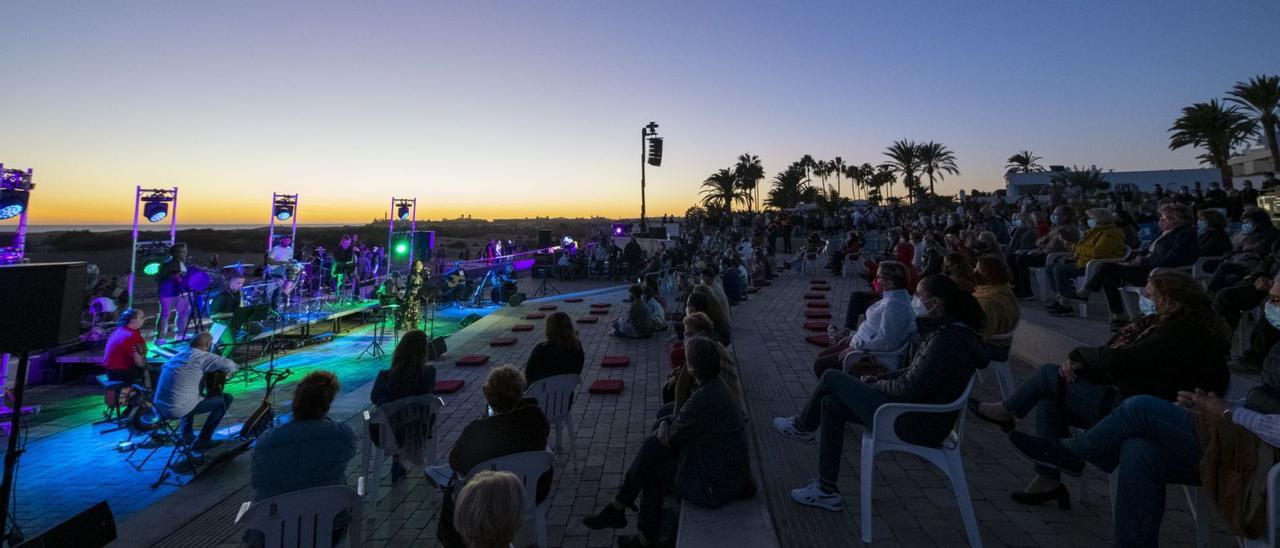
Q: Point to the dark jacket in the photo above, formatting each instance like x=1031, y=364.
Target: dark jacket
x=1255, y=248
x=1169, y=356
x=523, y=429
x=548, y=360
x=383, y=391
x=1023, y=237
x=1177, y=248
x=713, y=469
x=940, y=370
x=1214, y=243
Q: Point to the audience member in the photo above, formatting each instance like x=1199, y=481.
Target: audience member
x=995, y=296
x=1102, y=241
x=890, y=323
x=560, y=354
x=410, y=375
x=489, y=510
x=637, y=324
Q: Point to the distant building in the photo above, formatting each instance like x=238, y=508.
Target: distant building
x=1252, y=163
x=1018, y=184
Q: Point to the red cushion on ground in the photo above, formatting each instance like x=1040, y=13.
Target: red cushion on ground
x=615, y=361
x=817, y=314
x=472, y=360
x=522, y=327
x=547, y=307
x=818, y=340
x=814, y=296
x=503, y=341
x=534, y=316
x=449, y=386
x=818, y=304
x=573, y=300
x=599, y=305
x=606, y=386
x=818, y=281
x=820, y=288
x=816, y=326
x=588, y=319
x=599, y=312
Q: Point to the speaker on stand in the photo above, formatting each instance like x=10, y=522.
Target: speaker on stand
x=544, y=238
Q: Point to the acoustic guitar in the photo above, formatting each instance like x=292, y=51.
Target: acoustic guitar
x=262, y=418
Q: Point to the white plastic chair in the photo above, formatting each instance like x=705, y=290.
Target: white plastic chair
x=1269, y=539
x=304, y=518
x=1002, y=370
x=1198, y=271
x=1090, y=268
x=555, y=398
x=881, y=438
x=1041, y=274
x=374, y=454
x=528, y=466
x=891, y=359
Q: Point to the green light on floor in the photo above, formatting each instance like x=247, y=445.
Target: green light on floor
x=402, y=248
x=151, y=269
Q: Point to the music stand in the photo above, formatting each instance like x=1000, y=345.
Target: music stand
x=243, y=315
x=546, y=288
x=374, y=350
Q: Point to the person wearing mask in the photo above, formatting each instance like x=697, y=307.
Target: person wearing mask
x=489, y=510
x=560, y=354
x=1211, y=233
x=702, y=450
x=1102, y=241
x=125, y=357
x=951, y=351
x=1175, y=247
x=995, y=295
x=410, y=375
x=1060, y=237
x=890, y=322
x=1178, y=344
x=1260, y=237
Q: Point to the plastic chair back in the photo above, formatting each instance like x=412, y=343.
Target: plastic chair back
x=305, y=518
x=555, y=396
x=528, y=466
x=381, y=416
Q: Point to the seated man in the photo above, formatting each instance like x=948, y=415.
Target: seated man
x=890, y=321
x=178, y=390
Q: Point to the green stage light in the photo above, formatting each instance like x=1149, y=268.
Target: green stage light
x=151, y=269
x=402, y=248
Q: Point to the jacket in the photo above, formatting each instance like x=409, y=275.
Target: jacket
x=1168, y=356
x=709, y=432
x=940, y=370
x=1001, y=308
x=300, y=455
x=1214, y=243
x=890, y=323
x=525, y=428
x=548, y=360
x=383, y=391
x=1101, y=242
x=1177, y=247
x=1059, y=238
x=1254, y=249
x=1233, y=471
x=1023, y=237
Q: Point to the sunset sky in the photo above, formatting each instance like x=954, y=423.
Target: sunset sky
x=513, y=109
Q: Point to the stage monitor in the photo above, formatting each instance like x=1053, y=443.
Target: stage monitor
x=42, y=305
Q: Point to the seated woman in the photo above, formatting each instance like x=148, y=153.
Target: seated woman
x=1211, y=233
x=702, y=301
x=702, y=450
x=995, y=294
x=409, y=375
x=951, y=323
x=1153, y=443
x=1103, y=240
x=1180, y=344
x=680, y=381
x=560, y=354
x=959, y=268
x=1260, y=236
x=657, y=312
x=735, y=287
x=637, y=323
x=890, y=322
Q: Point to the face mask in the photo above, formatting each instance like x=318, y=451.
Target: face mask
x=1202, y=226
x=1053, y=218
x=1017, y=223
x=1093, y=223
x=1246, y=229
x=1272, y=312
x=918, y=306
x=1146, y=306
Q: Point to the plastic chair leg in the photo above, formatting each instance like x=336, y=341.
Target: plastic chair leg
x=1199, y=506
x=959, y=484
x=868, y=462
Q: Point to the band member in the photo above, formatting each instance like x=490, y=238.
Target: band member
x=279, y=257
x=178, y=390
x=342, y=260
x=504, y=285
x=125, y=358
x=223, y=309
x=411, y=303
x=171, y=282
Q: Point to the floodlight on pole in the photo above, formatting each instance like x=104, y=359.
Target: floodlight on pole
x=154, y=204
x=15, y=197
x=284, y=207
x=402, y=209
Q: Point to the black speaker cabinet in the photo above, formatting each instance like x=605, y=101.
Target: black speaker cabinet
x=436, y=348
x=544, y=238
x=42, y=305
x=92, y=528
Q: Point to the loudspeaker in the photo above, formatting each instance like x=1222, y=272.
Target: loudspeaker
x=436, y=348
x=544, y=238
x=92, y=528
x=470, y=319
x=657, y=232
x=42, y=305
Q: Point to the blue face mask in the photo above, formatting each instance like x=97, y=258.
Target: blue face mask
x=1146, y=306
x=1017, y=223
x=1202, y=226
x=1093, y=223
x=1272, y=312
x=1246, y=229
x=1053, y=218
x=918, y=306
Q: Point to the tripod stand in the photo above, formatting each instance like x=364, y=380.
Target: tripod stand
x=374, y=350
x=546, y=288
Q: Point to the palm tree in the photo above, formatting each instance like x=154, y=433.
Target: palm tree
x=1024, y=162
x=822, y=169
x=721, y=190
x=837, y=167
x=789, y=187
x=936, y=160
x=749, y=171
x=904, y=160
x=1261, y=94
x=1216, y=129
x=807, y=163
x=1087, y=178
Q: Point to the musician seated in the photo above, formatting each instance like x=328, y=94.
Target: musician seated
x=125, y=358
x=282, y=252
x=178, y=390
x=312, y=450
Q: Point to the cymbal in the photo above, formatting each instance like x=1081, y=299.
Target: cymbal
x=237, y=265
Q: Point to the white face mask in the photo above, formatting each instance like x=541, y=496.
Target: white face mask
x=1272, y=312
x=918, y=307
x=1093, y=223
x=1146, y=306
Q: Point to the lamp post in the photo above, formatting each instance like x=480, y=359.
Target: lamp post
x=650, y=153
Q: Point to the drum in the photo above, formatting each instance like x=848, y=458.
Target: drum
x=197, y=280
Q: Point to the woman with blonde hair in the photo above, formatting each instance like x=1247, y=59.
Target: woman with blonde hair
x=489, y=510
x=560, y=354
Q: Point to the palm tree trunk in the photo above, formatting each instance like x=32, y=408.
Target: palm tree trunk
x=931, y=191
x=1225, y=169
x=1269, y=129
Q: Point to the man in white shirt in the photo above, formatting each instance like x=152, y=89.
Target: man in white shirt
x=890, y=322
x=178, y=390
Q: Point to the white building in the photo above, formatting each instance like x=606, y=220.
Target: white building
x=1018, y=184
x=1252, y=163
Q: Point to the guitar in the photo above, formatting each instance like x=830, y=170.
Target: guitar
x=457, y=278
x=262, y=417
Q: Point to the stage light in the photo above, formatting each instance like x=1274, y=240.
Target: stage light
x=402, y=212
x=151, y=268
x=566, y=241
x=155, y=211
x=12, y=203
x=401, y=248
x=284, y=211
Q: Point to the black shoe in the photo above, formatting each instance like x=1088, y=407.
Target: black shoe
x=1026, y=296
x=1062, y=311
x=608, y=518
x=1060, y=495
x=1054, y=306
x=1005, y=425
x=631, y=541
x=1047, y=452
x=398, y=472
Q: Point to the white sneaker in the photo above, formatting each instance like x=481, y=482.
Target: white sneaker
x=787, y=427
x=831, y=332
x=813, y=495
x=440, y=475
